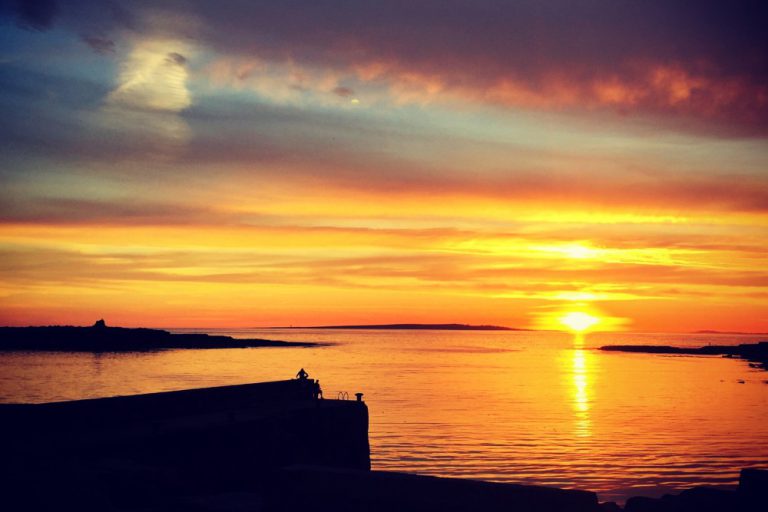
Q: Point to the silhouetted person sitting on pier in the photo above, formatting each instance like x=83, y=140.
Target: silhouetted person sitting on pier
x=302, y=375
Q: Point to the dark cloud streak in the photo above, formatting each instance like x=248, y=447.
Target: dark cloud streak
x=343, y=92
x=100, y=45
x=124, y=212
x=698, y=62
x=36, y=14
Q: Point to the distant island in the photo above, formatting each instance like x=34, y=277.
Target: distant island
x=423, y=327
x=100, y=338
x=755, y=353
x=709, y=331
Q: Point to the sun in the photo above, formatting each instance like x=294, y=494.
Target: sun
x=578, y=321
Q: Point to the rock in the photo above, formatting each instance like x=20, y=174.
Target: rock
x=644, y=504
x=698, y=499
x=703, y=499
x=344, y=490
x=753, y=489
x=225, y=502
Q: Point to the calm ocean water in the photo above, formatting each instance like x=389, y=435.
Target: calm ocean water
x=542, y=408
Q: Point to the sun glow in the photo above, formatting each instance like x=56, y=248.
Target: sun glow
x=574, y=251
x=578, y=321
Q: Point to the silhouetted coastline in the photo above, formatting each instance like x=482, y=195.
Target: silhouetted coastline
x=737, y=333
x=101, y=338
x=424, y=327
x=755, y=353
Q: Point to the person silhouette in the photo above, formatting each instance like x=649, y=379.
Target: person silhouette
x=302, y=375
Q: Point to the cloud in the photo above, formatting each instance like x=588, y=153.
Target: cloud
x=152, y=78
x=36, y=14
x=343, y=92
x=100, y=45
x=177, y=58
x=240, y=143
x=151, y=93
x=115, y=212
x=383, y=263
x=697, y=66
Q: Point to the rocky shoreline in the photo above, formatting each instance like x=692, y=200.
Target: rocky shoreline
x=100, y=338
x=751, y=495
x=755, y=353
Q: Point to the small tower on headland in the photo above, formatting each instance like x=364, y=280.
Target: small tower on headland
x=100, y=324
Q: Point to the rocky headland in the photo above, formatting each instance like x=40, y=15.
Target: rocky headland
x=755, y=353
x=422, y=327
x=101, y=338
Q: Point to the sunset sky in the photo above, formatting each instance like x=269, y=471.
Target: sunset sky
x=261, y=163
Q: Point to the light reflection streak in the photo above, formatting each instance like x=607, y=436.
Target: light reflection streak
x=580, y=383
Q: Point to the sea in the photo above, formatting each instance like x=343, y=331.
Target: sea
x=545, y=408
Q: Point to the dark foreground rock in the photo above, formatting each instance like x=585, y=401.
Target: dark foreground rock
x=100, y=338
x=751, y=496
x=345, y=490
x=756, y=353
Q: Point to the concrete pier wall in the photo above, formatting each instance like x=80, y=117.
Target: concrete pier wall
x=137, y=449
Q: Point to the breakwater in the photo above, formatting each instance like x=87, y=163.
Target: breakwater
x=126, y=452
x=270, y=446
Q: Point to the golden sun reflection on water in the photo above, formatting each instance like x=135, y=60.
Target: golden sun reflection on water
x=580, y=387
